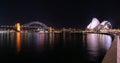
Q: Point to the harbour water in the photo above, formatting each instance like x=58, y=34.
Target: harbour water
x=35, y=47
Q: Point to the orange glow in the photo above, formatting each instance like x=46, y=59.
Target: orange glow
x=18, y=26
x=18, y=45
x=50, y=29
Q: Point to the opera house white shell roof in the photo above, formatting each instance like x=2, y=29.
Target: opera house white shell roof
x=95, y=24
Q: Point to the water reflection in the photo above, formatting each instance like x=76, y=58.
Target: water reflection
x=57, y=45
x=18, y=42
x=51, y=39
x=1, y=39
x=7, y=39
x=97, y=43
x=40, y=40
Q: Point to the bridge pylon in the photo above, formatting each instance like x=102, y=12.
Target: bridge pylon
x=17, y=27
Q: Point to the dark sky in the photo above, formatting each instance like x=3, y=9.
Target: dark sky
x=60, y=13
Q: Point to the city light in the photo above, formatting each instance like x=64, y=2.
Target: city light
x=18, y=26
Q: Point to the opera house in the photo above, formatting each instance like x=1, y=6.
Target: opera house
x=96, y=25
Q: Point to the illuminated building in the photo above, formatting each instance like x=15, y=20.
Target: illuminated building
x=96, y=25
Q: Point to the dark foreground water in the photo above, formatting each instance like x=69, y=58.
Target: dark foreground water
x=33, y=47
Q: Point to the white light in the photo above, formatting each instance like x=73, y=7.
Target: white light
x=94, y=23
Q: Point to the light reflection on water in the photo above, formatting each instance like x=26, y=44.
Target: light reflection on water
x=40, y=40
x=97, y=43
x=62, y=46
x=51, y=39
x=18, y=42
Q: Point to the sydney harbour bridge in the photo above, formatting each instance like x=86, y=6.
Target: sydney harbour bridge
x=31, y=26
x=36, y=26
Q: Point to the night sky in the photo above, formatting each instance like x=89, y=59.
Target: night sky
x=60, y=13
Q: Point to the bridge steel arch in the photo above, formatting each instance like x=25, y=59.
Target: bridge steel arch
x=42, y=25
